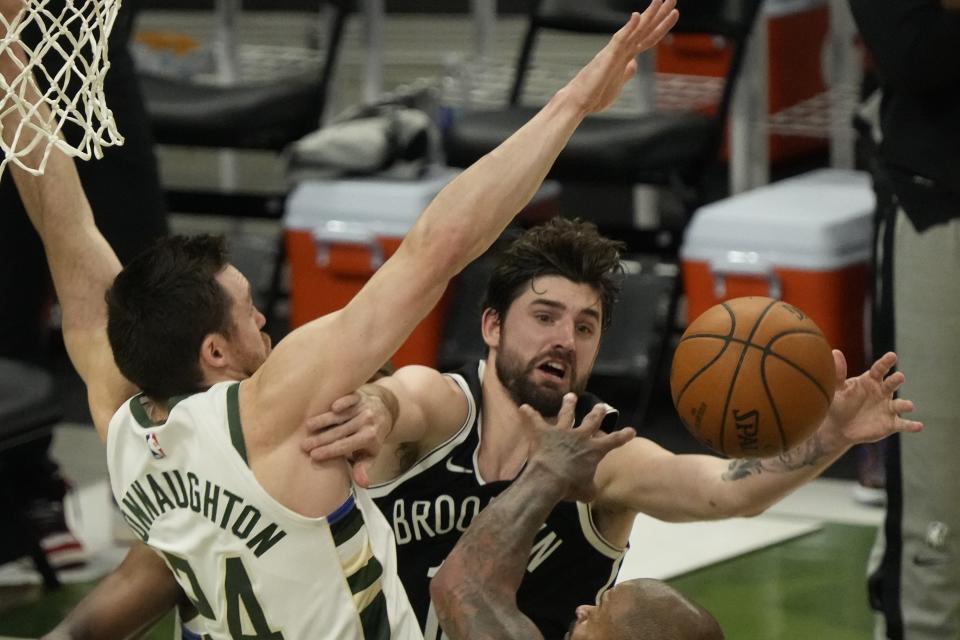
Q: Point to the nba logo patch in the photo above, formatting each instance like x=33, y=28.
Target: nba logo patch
x=155, y=449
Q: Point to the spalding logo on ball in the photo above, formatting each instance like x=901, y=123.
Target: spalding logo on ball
x=752, y=377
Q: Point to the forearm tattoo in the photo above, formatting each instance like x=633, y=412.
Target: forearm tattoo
x=807, y=454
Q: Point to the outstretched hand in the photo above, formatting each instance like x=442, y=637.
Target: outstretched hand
x=864, y=408
x=572, y=454
x=599, y=83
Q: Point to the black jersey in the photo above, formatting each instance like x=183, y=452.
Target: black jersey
x=432, y=504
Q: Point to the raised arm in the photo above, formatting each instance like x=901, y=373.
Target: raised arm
x=475, y=590
x=82, y=264
x=642, y=477
x=333, y=355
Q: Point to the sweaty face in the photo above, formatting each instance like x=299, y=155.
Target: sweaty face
x=249, y=346
x=548, y=342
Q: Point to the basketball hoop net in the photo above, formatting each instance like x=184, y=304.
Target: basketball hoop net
x=65, y=68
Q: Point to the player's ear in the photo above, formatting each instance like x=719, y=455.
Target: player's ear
x=213, y=351
x=490, y=327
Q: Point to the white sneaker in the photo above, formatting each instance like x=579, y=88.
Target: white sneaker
x=869, y=496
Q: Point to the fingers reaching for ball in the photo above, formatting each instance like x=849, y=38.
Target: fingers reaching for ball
x=840, y=362
x=891, y=383
x=883, y=365
x=864, y=409
x=571, y=455
x=880, y=370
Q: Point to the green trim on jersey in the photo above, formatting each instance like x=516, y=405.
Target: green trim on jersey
x=233, y=421
x=374, y=620
x=365, y=582
x=175, y=400
x=366, y=576
x=347, y=527
x=139, y=412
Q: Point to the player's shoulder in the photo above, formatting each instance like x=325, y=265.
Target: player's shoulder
x=441, y=402
x=426, y=383
x=412, y=374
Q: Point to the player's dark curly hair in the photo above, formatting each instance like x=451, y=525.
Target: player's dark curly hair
x=161, y=307
x=572, y=249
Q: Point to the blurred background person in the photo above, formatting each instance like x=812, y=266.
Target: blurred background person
x=915, y=48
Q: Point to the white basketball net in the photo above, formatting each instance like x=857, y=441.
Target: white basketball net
x=72, y=92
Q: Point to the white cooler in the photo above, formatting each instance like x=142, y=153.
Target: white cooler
x=805, y=240
x=338, y=232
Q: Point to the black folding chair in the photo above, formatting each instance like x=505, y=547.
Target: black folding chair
x=673, y=149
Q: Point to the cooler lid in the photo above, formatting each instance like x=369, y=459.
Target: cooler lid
x=383, y=207
x=778, y=8
x=819, y=220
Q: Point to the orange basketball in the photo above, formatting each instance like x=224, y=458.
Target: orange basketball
x=752, y=377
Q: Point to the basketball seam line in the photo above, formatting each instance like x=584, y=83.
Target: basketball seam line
x=727, y=340
x=736, y=372
x=769, y=394
x=726, y=343
x=793, y=364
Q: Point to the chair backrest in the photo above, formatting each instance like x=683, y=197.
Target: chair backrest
x=28, y=405
x=338, y=11
x=263, y=115
x=729, y=19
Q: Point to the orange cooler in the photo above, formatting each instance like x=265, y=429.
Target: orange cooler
x=796, y=33
x=338, y=232
x=805, y=240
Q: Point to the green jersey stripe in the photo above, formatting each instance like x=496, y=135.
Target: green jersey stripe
x=376, y=624
x=347, y=527
x=139, y=412
x=175, y=400
x=366, y=576
x=233, y=420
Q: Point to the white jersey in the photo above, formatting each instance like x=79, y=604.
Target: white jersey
x=251, y=566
